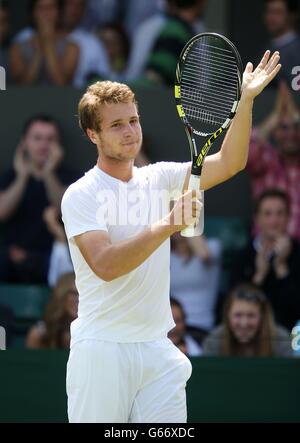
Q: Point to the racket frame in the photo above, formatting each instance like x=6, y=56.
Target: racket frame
x=198, y=158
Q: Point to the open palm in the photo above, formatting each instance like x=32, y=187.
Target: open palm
x=254, y=81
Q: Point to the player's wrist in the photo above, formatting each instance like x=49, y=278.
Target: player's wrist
x=168, y=225
x=247, y=99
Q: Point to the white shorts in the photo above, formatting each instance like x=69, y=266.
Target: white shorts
x=127, y=382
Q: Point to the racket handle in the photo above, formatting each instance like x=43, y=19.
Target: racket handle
x=195, y=230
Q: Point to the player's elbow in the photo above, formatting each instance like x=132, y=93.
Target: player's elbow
x=105, y=271
x=105, y=274
x=238, y=167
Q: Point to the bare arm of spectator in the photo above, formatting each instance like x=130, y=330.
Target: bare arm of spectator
x=284, y=106
x=282, y=248
x=50, y=217
x=200, y=248
x=61, y=69
x=262, y=267
x=34, y=338
x=11, y=197
x=20, y=71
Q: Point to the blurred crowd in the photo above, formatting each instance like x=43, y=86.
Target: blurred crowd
x=74, y=42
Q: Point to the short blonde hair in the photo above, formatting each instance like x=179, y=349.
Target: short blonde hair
x=97, y=94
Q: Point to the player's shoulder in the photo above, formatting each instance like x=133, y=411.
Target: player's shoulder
x=161, y=166
x=81, y=188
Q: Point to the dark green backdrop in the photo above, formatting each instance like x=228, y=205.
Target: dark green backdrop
x=220, y=390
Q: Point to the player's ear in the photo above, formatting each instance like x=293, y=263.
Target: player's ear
x=92, y=136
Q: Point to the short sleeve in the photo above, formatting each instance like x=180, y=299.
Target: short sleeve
x=81, y=213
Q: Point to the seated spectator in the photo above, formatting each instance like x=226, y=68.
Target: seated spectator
x=272, y=258
x=178, y=335
x=248, y=328
x=44, y=56
x=54, y=331
x=92, y=54
x=175, y=33
x=137, y=11
x=280, y=19
x=116, y=42
x=195, y=277
x=36, y=180
x=131, y=12
x=145, y=35
x=4, y=35
x=274, y=155
x=99, y=12
x=60, y=260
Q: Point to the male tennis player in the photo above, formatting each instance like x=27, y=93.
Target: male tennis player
x=122, y=367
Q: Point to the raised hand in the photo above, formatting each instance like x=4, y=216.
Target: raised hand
x=262, y=265
x=254, y=81
x=21, y=163
x=186, y=210
x=282, y=249
x=54, y=159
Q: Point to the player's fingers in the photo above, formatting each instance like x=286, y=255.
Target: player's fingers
x=272, y=63
x=274, y=73
x=264, y=60
x=196, y=193
x=271, y=60
x=249, y=68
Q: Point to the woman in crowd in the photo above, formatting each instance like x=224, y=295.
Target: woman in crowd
x=248, y=328
x=54, y=331
x=44, y=56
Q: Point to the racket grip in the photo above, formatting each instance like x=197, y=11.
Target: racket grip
x=195, y=230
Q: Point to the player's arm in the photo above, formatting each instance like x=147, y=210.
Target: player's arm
x=112, y=260
x=233, y=155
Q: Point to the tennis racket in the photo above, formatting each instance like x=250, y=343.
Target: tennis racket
x=207, y=92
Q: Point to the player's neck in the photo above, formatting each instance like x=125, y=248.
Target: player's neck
x=118, y=169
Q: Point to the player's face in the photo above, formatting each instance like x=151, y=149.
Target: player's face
x=244, y=320
x=120, y=137
x=272, y=218
x=39, y=141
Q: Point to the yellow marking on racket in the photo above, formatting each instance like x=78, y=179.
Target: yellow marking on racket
x=180, y=111
x=177, y=91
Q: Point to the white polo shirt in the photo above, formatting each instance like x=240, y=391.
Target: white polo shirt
x=136, y=306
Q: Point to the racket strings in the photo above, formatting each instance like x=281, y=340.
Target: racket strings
x=209, y=84
x=215, y=73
